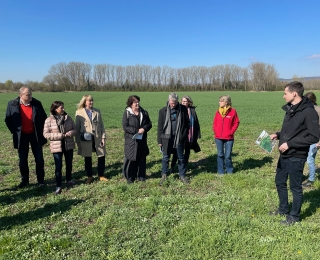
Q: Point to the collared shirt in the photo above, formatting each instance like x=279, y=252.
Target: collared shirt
x=89, y=113
x=21, y=103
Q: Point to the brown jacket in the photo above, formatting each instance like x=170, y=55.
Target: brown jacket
x=83, y=125
x=51, y=132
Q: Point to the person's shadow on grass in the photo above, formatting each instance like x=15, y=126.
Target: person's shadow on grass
x=8, y=222
x=252, y=163
x=313, y=197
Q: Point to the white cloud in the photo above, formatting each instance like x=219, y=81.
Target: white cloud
x=314, y=56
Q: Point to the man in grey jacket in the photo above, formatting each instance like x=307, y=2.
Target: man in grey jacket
x=173, y=126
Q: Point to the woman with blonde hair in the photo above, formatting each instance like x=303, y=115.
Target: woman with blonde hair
x=225, y=124
x=90, y=136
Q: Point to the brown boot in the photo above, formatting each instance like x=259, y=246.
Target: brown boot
x=102, y=178
x=89, y=180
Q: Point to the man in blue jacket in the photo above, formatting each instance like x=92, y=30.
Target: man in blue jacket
x=25, y=118
x=300, y=129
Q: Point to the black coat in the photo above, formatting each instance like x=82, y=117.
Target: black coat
x=134, y=148
x=184, y=127
x=300, y=129
x=14, y=122
x=196, y=131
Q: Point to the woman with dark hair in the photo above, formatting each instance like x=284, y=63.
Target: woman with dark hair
x=90, y=137
x=313, y=148
x=59, y=128
x=193, y=135
x=136, y=124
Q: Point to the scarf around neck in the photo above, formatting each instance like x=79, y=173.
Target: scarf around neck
x=167, y=126
x=60, y=122
x=223, y=110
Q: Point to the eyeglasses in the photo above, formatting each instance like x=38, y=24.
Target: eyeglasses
x=28, y=94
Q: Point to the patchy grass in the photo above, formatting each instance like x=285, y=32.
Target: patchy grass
x=212, y=218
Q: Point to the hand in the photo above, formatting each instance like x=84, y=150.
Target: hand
x=102, y=143
x=160, y=145
x=318, y=145
x=141, y=131
x=284, y=147
x=273, y=137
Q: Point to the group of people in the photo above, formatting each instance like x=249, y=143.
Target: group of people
x=177, y=134
x=29, y=124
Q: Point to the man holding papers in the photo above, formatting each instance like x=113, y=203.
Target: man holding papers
x=300, y=129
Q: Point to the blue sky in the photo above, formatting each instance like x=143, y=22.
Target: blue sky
x=178, y=33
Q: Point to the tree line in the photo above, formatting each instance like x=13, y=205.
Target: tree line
x=80, y=76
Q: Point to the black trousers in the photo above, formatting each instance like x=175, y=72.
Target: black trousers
x=134, y=169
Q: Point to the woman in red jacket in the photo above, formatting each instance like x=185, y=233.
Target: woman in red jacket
x=225, y=124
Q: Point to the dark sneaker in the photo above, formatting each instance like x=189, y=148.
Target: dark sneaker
x=184, y=180
x=163, y=179
x=307, y=184
x=289, y=221
x=71, y=183
x=22, y=184
x=41, y=185
x=277, y=213
x=58, y=190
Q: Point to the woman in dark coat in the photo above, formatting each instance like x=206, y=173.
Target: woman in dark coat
x=135, y=123
x=193, y=135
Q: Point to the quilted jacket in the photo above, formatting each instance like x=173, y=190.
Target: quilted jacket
x=52, y=133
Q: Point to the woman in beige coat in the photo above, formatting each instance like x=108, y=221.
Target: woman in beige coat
x=89, y=121
x=60, y=129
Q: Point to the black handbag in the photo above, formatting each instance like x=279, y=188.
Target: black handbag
x=86, y=137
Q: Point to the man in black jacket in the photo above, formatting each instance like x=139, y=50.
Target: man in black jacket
x=300, y=129
x=173, y=126
x=25, y=118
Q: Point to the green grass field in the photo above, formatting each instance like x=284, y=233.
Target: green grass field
x=211, y=218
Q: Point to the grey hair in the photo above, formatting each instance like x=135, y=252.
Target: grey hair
x=227, y=99
x=23, y=88
x=173, y=96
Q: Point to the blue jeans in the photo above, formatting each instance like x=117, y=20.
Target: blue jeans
x=23, y=152
x=68, y=156
x=292, y=167
x=181, y=161
x=224, y=148
x=311, y=164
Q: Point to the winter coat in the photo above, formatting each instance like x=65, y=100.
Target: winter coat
x=51, y=131
x=225, y=127
x=196, y=131
x=300, y=128
x=83, y=125
x=183, y=130
x=134, y=148
x=14, y=122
